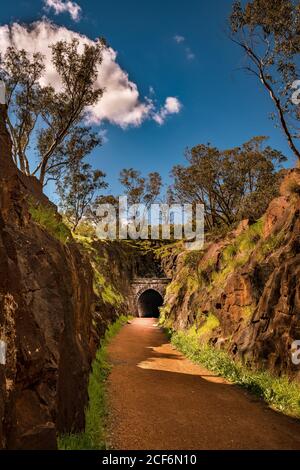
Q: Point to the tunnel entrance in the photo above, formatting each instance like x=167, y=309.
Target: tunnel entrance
x=149, y=303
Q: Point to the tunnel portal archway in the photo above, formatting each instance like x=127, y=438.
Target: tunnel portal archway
x=149, y=302
x=138, y=301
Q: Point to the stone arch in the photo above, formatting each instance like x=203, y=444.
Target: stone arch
x=160, y=289
x=140, y=285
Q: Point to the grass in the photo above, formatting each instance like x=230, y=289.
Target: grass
x=50, y=220
x=237, y=254
x=111, y=296
x=105, y=290
x=271, y=244
x=279, y=392
x=211, y=322
x=94, y=435
x=101, y=283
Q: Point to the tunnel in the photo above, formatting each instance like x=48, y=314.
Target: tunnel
x=149, y=303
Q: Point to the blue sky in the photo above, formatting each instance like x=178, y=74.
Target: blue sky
x=220, y=104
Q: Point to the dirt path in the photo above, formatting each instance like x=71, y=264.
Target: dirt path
x=160, y=400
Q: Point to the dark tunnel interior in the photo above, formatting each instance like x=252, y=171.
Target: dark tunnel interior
x=149, y=303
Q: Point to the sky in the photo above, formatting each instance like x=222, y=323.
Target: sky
x=173, y=78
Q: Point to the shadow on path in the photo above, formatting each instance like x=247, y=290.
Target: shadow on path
x=161, y=400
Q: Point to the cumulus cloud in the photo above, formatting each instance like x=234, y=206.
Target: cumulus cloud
x=60, y=6
x=172, y=106
x=121, y=103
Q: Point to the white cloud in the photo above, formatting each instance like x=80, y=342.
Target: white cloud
x=121, y=103
x=172, y=106
x=179, y=39
x=60, y=6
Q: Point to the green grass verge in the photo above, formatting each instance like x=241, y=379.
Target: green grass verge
x=279, y=392
x=94, y=436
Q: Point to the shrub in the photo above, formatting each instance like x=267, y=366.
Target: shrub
x=86, y=229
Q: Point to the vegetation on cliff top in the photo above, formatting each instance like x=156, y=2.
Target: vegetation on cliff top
x=49, y=219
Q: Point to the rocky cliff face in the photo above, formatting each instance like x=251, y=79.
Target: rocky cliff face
x=242, y=293
x=56, y=299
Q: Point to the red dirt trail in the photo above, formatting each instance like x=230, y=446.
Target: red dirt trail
x=162, y=401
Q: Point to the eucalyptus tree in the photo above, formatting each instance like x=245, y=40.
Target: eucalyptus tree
x=268, y=32
x=50, y=120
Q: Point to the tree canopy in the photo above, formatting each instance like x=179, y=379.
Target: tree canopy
x=232, y=184
x=46, y=120
x=141, y=189
x=78, y=191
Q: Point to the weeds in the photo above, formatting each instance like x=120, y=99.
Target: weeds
x=210, y=324
x=279, y=392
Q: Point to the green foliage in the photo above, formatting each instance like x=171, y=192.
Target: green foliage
x=192, y=282
x=248, y=240
x=50, y=122
x=78, y=190
x=211, y=322
x=140, y=189
x=192, y=259
x=271, y=244
x=248, y=311
x=233, y=184
x=86, y=229
x=103, y=283
x=111, y=296
x=94, y=436
x=164, y=316
x=237, y=254
x=173, y=288
x=105, y=290
x=99, y=281
x=102, y=287
x=51, y=221
x=230, y=252
x=168, y=249
x=279, y=392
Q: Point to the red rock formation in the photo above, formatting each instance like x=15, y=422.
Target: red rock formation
x=46, y=299
x=47, y=304
x=254, y=294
